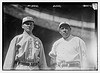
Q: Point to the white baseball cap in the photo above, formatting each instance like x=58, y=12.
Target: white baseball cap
x=65, y=25
x=28, y=18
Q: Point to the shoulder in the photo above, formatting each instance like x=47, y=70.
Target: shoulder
x=58, y=41
x=37, y=39
x=76, y=38
x=79, y=39
x=17, y=37
x=20, y=35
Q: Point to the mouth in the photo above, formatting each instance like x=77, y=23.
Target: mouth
x=28, y=27
x=65, y=33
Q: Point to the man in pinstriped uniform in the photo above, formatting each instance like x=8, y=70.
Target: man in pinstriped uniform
x=26, y=51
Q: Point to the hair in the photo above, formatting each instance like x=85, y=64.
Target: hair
x=65, y=25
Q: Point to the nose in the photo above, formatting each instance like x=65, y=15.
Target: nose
x=64, y=30
x=29, y=23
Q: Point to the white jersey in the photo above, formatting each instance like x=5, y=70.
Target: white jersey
x=72, y=50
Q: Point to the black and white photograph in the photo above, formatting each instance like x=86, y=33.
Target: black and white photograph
x=50, y=36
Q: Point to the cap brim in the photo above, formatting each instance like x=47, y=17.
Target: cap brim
x=28, y=21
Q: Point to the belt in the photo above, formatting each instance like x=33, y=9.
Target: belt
x=69, y=64
x=27, y=63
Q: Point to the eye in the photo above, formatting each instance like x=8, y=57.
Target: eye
x=62, y=28
x=29, y=23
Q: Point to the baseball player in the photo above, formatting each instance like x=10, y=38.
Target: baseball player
x=26, y=51
x=69, y=52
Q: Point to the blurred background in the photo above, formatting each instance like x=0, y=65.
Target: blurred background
x=81, y=16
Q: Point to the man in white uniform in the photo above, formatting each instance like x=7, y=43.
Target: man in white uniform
x=26, y=51
x=69, y=52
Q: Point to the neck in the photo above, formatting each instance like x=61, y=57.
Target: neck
x=28, y=32
x=68, y=38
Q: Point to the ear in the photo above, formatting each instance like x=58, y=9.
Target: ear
x=22, y=26
x=59, y=31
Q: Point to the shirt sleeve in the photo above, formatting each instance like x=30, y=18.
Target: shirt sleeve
x=42, y=62
x=83, y=54
x=52, y=53
x=9, y=59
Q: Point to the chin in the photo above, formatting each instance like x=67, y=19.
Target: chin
x=65, y=36
x=28, y=30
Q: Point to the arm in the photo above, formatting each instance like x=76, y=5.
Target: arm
x=83, y=54
x=42, y=62
x=52, y=54
x=9, y=60
x=53, y=63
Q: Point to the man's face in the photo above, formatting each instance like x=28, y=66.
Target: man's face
x=28, y=26
x=65, y=32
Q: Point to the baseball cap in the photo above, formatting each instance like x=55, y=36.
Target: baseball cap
x=64, y=25
x=28, y=18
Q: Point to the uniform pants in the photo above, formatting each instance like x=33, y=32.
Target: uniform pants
x=67, y=68
x=23, y=67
